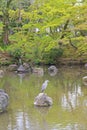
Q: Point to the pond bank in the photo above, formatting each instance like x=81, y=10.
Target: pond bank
x=6, y=59
x=70, y=61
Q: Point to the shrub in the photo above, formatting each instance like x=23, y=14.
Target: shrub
x=51, y=56
x=16, y=54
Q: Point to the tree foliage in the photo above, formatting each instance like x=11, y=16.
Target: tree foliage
x=42, y=28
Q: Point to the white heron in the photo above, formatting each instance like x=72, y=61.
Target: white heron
x=44, y=85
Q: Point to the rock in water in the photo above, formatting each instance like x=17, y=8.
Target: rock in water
x=21, y=69
x=3, y=100
x=12, y=67
x=43, y=100
x=52, y=70
x=84, y=80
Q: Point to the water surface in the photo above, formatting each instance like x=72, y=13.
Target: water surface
x=66, y=88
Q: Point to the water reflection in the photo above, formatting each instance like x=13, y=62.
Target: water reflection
x=21, y=76
x=43, y=111
x=52, y=73
x=69, y=96
x=71, y=99
x=21, y=121
x=69, y=127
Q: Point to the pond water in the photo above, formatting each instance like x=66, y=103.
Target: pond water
x=66, y=88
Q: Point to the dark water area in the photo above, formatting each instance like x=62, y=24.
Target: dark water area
x=66, y=88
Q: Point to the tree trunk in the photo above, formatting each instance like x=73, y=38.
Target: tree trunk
x=5, y=35
x=64, y=28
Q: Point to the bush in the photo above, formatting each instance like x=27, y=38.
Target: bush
x=16, y=53
x=51, y=56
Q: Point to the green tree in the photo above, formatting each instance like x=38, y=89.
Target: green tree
x=44, y=27
x=4, y=6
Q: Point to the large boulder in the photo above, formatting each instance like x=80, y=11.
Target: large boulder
x=27, y=66
x=52, y=70
x=43, y=100
x=4, y=100
x=38, y=71
x=24, y=68
x=21, y=69
x=84, y=80
x=12, y=67
x=85, y=65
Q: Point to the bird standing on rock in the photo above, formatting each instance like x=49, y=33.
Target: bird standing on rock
x=44, y=85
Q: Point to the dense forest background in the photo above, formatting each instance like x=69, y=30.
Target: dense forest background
x=48, y=32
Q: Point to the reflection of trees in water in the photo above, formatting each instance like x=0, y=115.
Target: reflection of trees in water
x=43, y=113
x=43, y=110
x=19, y=121
x=21, y=76
x=71, y=84
x=70, y=100
x=22, y=121
x=69, y=127
x=68, y=78
x=4, y=121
